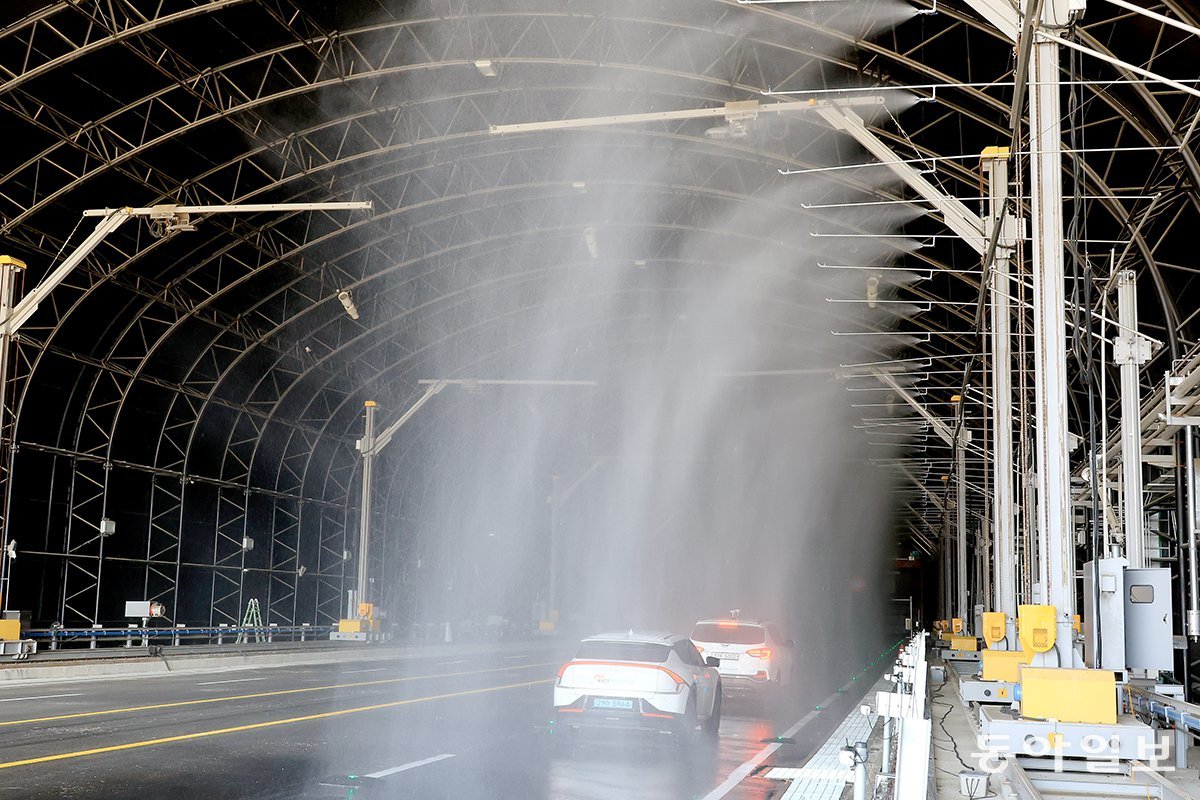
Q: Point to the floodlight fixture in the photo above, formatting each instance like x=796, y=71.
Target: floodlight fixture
x=347, y=300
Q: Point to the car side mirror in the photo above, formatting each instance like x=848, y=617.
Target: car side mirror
x=789, y=642
x=712, y=661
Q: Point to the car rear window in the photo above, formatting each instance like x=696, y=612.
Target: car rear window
x=728, y=633
x=624, y=651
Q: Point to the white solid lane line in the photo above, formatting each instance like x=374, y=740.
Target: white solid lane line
x=740, y=774
x=353, y=671
x=383, y=773
x=449, y=663
x=510, y=658
x=231, y=680
x=40, y=697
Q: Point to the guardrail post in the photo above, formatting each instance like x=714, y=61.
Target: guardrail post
x=304, y=631
x=1182, y=740
x=271, y=631
x=175, y=635
x=129, y=635
x=221, y=633
x=860, y=771
x=92, y=637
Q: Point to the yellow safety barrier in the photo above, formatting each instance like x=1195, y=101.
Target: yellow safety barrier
x=1069, y=695
x=1003, y=665
x=966, y=644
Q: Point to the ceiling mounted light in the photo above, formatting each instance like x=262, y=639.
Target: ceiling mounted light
x=347, y=301
x=487, y=68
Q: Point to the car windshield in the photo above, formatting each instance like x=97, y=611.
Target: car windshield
x=728, y=633
x=624, y=651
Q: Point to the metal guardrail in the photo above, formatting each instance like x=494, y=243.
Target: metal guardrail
x=907, y=722
x=57, y=638
x=137, y=635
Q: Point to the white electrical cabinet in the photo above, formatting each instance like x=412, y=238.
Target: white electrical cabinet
x=1107, y=651
x=1148, y=608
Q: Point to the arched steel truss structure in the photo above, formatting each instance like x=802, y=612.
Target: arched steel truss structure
x=206, y=388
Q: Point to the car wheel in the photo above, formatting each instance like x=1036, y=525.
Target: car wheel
x=712, y=725
x=689, y=721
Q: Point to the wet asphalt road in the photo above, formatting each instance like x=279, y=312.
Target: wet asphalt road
x=425, y=727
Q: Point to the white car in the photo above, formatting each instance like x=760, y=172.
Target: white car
x=652, y=682
x=751, y=654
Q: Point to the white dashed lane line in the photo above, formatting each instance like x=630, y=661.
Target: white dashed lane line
x=40, y=697
x=383, y=773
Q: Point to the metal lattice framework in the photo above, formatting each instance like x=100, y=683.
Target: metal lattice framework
x=204, y=389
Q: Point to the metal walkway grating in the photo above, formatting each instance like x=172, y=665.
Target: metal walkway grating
x=823, y=776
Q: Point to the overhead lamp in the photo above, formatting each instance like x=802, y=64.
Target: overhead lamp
x=956, y=398
x=487, y=68
x=347, y=300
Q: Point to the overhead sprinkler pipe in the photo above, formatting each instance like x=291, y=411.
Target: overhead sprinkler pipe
x=740, y=111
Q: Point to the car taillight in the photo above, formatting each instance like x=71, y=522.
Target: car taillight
x=678, y=680
x=760, y=652
x=699, y=649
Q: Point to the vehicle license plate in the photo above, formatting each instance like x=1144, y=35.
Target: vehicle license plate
x=610, y=702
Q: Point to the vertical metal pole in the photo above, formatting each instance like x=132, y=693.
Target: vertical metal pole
x=860, y=771
x=960, y=522
x=1193, y=612
x=8, y=275
x=366, y=445
x=552, y=588
x=1004, y=556
x=947, y=575
x=1131, y=423
x=1056, y=547
x=886, y=767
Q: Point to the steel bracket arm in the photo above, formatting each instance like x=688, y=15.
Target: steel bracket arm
x=940, y=428
x=385, y=437
x=1000, y=14
x=25, y=309
x=933, y=498
x=958, y=217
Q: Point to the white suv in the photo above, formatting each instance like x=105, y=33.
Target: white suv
x=751, y=654
x=653, y=682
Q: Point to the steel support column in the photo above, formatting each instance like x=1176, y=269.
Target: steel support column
x=367, y=446
x=1131, y=351
x=1056, y=562
x=1004, y=556
x=962, y=607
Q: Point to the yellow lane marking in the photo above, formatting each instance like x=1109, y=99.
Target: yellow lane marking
x=256, y=695
x=184, y=737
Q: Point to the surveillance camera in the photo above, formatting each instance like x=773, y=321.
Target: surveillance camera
x=347, y=301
